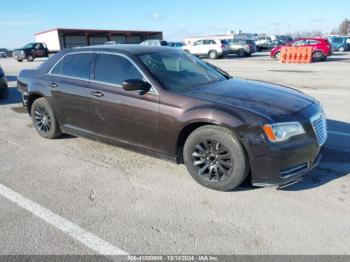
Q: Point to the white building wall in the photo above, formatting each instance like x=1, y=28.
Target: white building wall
x=51, y=39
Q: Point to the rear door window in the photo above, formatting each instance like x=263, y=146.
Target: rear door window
x=312, y=42
x=299, y=43
x=57, y=69
x=77, y=65
x=199, y=42
x=115, y=69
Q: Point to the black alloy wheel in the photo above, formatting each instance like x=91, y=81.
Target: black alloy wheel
x=215, y=158
x=42, y=119
x=212, y=161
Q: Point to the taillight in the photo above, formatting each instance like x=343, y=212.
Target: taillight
x=222, y=46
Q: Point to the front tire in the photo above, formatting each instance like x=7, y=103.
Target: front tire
x=341, y=49
x=277, y=55
x=30, y=58
x=44, y=119
x=215, y=158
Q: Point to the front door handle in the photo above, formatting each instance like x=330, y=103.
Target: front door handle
x=53, y=85
x=97, y=93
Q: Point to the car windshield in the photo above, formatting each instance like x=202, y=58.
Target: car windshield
x=31, y=45
x=178, y=71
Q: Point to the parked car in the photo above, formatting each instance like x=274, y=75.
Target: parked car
x=338, y=43
x=176, y=44
x=155, y=42
x=212, y=48
x=284, y=39
x=31, y=51
x=263, y=43
x=4, y=52
x=111, y=43
x=321, y=48
x=3, y=85
x=242, y=48
x=276, y=43
x=167, y=102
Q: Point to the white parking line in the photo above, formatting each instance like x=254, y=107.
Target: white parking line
x=338, y=133
x=86, y=238
x=326, y=92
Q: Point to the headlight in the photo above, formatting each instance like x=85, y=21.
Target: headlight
x=283, y=131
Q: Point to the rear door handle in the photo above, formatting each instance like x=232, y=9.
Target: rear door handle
x=53, y=85
x=97, y=93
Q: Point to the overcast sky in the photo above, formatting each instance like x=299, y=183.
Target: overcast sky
x=19, y=20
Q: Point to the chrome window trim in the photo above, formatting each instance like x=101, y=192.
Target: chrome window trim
x=153, y=90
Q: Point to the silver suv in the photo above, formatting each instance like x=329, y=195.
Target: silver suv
x=212, y=48
x=242, y=48
x=155, y=42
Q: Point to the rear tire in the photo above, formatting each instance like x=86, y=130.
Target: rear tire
x=4, y=92
x=241, y=53
x=20, y=60
x=44, y=119
x=317, y=56
x=213, y=54
x=215, y=158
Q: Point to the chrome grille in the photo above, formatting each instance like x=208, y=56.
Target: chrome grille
x=319, y=125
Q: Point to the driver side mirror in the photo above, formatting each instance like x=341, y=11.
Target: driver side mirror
x=136, y=85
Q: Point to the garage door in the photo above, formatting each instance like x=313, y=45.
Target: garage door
x=74, y=41
x=98, y=40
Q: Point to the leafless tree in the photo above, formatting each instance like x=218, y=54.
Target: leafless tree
x=344, y=28
x=314, y=33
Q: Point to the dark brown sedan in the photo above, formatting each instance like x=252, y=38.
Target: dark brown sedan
x=171, y=104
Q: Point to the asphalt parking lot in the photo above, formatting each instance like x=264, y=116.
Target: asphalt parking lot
x=76, y=196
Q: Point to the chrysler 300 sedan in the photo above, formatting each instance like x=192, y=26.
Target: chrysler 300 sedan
x=171, y=104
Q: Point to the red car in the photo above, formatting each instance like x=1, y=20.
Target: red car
x=321, y=48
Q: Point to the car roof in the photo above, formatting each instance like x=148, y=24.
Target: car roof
x=310, y=38
x=133, y=49
x=126, y=49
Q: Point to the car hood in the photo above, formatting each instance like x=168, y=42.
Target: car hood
x=21, y=49
x=258, y=97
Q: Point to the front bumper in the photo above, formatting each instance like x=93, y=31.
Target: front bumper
x=19, y=56
x=287, y=167
x=275, y=164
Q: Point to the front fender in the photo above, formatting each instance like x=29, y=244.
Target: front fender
x=231, y=118
x=211, y=116
x=246, y=125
